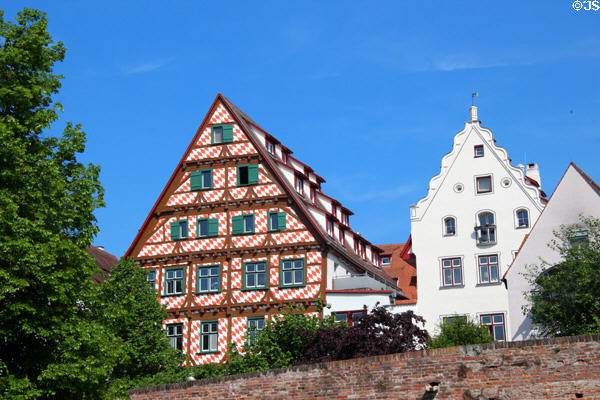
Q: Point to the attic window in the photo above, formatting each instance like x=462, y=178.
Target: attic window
x=484, y=184
x=478, y=151
x=345, y=219
x=342, y=236
x=299, y=185
x=329, y=226
x=284, y=157
x=222, y=134
x=313, y=195
x=385, y=261
x=270, y=147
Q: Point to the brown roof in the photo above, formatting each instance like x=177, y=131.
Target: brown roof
x=404, y=271
x=105, y=261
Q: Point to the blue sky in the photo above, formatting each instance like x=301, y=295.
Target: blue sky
x=370, y=94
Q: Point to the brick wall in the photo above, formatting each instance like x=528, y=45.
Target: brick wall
x=561, y=368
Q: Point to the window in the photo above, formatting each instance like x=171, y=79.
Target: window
x=284, y=157
x=208, y=279
x=151, y=278
x=270, y=147
x=179, y=230
x=174, y=281
x=522, y=218
x=209, y=337
x=242, y=224
x=247, y=175
x=356, y=246
x=254, y=326
x=577, y=238
x=342, y=236
x=345, y=219
x=486, y=231
x=255, y=275
x=478, y=151
x=299, y=185
x=175, y=335
x=449, y=226
x=488, y=269
x=351, y=317
x=385, y=261
x=362, y=250
x=200, y=180
x=222, y=134
x=329, y=226
x=484, y=184
x=334, y=210
x=207, y=227
x=453, y=318
x=452, y=272
x=292, y=272
x=495, y=323
x=375, y=257
x=313, y=195
x=276, y=221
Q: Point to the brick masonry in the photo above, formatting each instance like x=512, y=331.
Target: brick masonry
x=559, y=368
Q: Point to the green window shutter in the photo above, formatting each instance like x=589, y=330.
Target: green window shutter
x=237, y=225
x=281, y=220
x=227, y=133
x=213, y=227
x=253, y=174
x=196, y=180
x=174, y=230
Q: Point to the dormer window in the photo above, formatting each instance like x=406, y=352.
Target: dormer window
x=345, y=219
x=330, y=227
x=299, y=185
x=486, y=231
x=478, y=151
x=356, y=248
x=342, y=236
x=385, y=261
x=284, y=157
x=484, y=184
x=271, y=147
x=313, y=195
x=449, y=226
x=334, y=210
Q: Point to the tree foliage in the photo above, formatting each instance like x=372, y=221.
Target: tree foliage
x=460, y=331
x=565, y=298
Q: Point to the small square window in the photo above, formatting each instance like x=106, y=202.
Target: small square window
x=217, y=132
x=208, y=279
x=385, y=261
x=247, y=175
x=255, y=275
x=174, y=281
x=484, y=184
x=201, y=180
x=175, y=335
x=478, y=151
x=292, y=273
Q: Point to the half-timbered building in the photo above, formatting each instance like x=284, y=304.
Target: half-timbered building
x=243, y=229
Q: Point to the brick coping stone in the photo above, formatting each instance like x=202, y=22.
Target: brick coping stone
x=472, y=349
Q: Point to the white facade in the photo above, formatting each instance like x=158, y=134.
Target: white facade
x=460, y=267
x=573, y=196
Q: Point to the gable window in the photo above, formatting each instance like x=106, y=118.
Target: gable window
x=175, y=335
x=495, y=323
x=486, y=231
x=522, y=218
x=222, y=134
x=276, y=221
x=484, y=184
x=247, y=175
x=270, y=147
x=385, y=261
x=329, y=226
x=174, y=281
x=255, y=275
x=478, y=151
x=292, y=272
x=209, y=337
x=201, y=180
x=254, y=326
x=449, y=226
x=207, y=227
x=208, y=279
x=488, y=269
x=299, y=185
x=452, y=272
x=179, y=230
x=151, y=279
x=242, y=224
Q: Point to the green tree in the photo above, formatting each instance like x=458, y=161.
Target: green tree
x=564, y=298
x=460, y=331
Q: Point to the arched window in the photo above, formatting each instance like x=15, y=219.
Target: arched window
x=522, y=218
x=486, y=231
x=449, y=226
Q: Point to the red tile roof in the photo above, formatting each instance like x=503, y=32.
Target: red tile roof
x=105, y=261
x=404, y=271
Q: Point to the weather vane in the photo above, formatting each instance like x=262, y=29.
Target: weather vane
x=473, y=95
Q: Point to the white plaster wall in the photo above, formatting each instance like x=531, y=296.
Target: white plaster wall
x=573, y=196
x=355, y=301
x=430, y=246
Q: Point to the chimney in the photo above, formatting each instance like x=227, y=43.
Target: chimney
x=533, y=171
x=473, y=114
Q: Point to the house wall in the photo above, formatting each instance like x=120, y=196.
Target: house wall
x=562, y=368
x=430, y=245
x=573, y=196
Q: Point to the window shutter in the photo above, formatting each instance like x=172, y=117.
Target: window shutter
x=253, y=174
x=196, y=180
x=213, y=227
x=237, y=225
x=227, y=133
x=281, y=222
x=174, y=230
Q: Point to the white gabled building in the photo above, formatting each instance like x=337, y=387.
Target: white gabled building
x=576, y=194
x=467, y=229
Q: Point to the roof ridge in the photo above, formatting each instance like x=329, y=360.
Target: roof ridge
x=585, y=176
